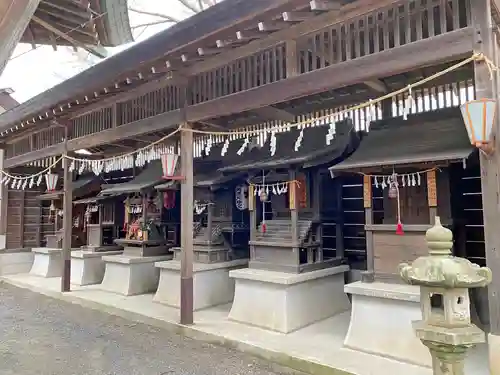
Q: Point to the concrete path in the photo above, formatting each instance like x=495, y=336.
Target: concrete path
x=40, y=335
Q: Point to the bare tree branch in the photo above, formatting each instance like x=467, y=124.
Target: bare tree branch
x=151, y=24
x=169, y=18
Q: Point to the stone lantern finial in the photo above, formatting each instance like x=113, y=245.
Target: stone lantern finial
x=444, y=281
x=440, y=268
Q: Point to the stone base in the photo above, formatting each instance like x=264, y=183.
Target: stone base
x=102, y=249
x=494, y=351
x=212, y=285
x=47, y=262
x=381, y=321
x=205, y=253
x=16, y=262
x=87, y=267
x=285, y=302
x=131, y=275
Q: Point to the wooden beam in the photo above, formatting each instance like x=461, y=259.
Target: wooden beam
x=377, y=85
x=273, y=113
x=164, y=121
x=325, y=5
x=248, y=35
x=349, y=11
x=272, y=26
x=297, y=16
x=445, y=47
x=60, y=34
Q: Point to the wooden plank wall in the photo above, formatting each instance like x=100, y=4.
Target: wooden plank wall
x=25, y=225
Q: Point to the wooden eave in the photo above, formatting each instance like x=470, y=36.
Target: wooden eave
x=170, y=51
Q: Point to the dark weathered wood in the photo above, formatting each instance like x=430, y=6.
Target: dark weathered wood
x=151, y=124
x=486, y=88
x=449, y=46
x=67, y=226
x=187, y=195
x=312, y=24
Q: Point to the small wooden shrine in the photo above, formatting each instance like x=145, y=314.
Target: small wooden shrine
x=82, y=187
x=406, y=178
x=285, y=198
x=102, y=218
x=142, y=231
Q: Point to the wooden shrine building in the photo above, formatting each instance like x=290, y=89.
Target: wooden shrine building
x=256, y=66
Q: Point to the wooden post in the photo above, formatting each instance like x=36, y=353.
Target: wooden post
x=369, y=275
x=490, y=166
x=339, y=220
x=187, y=195
x=432, y=196
x=67, y=225
x=294, y=213
x=4, y=191
x=210, y=215
x=292, y=58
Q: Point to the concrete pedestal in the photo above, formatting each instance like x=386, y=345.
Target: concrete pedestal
x=15, y=262
x=131, y=275
x=381, y=321
x=47, y=262
x=285, y=302
x=494, y=353
x=87, y=267
x=212, y=285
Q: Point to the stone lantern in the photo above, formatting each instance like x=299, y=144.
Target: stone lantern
x=444, y=281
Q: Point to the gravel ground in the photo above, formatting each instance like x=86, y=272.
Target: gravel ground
x=42, y=335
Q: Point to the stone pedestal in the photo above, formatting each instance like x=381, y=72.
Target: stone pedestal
x=47, y=262
x=285, y=302
x=16, y=262
x=381, y=321
x=494, y=353
x=131, y=275
x=212, y=285
x=87, y=267
x=148, y=248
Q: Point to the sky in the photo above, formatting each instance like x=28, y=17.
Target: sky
x=30, y=72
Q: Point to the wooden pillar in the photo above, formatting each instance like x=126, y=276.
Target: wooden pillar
x=210, y=215
x=339, y=220
x=369, y=275
x=144, y=196
x=292, y=58
x=67, y=225
x=294, y=213
x=253, y=218
x=187, y=195
x=4, y=196
x=486, y=87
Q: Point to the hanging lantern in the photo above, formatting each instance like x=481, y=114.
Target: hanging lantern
x=51, y=181
x=479, y=117
x=168, y=165
x=263, y=195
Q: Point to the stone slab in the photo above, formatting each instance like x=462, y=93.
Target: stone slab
x=129, y=275
x=12, y=263
x=47, y=262
x=212, y=285
x=494, y=354
x=285, y=302
x=381, y=321
x=87, y=267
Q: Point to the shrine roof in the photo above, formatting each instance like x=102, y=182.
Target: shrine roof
x=313, y=150
x=434, y=137
x=149, y=177
x=80, y=188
